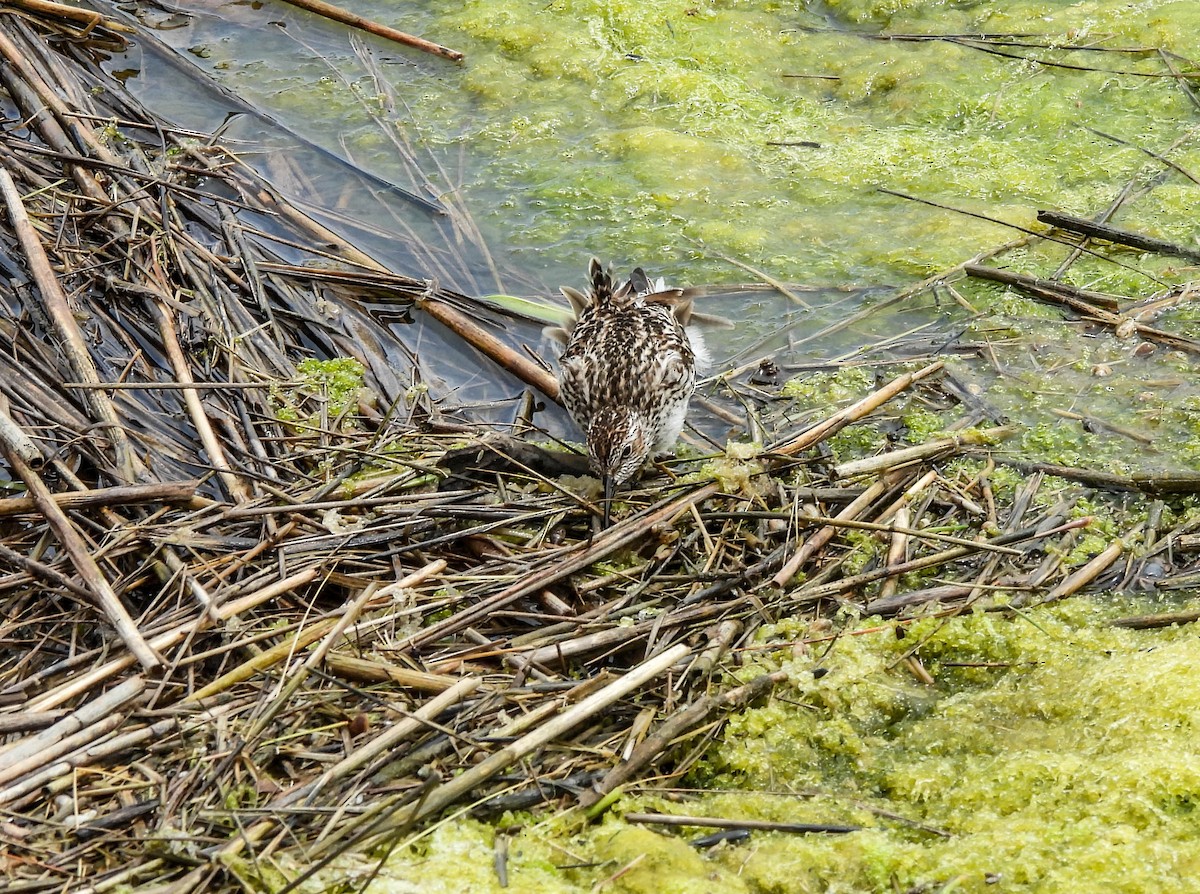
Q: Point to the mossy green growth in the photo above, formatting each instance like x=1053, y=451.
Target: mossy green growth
x=829, y=388
x=337, y=384
x=738, y=471
x=1059, y=755
x=1072, y=766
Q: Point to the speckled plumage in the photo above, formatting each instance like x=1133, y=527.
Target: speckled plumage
x=628, y=370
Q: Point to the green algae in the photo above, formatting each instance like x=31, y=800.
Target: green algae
x=654, y=116
x=332, y=387
x=1068, y=770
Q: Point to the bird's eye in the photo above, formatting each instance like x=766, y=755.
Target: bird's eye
x=626, y=451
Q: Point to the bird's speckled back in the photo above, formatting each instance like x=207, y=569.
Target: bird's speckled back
x=628, y=351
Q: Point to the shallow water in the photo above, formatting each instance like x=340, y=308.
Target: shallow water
x=686, y=137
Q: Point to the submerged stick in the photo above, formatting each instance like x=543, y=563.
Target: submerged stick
x=1122, y=325
x=482, y=340
x=329, y=11
x=1116, y=234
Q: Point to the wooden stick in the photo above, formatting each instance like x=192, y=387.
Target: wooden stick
x=77, y=552
x=1169, y=482
x=84, y=17
x=17, y=439
x=1150, y=622
x=329, y=11
x=1119, y=323
x=808, y=548
x=234, y=485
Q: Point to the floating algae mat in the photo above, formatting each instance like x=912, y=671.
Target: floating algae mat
x=283, y=613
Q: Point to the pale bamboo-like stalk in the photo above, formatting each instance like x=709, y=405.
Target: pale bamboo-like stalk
x=1081, y=577
x=873, y=465
x=66, y=328
x=36, y=750
x=854, y=412
x=897, y=550
x=809, y=548
x=444, y=795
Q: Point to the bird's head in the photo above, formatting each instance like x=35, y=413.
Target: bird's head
x=618, y=444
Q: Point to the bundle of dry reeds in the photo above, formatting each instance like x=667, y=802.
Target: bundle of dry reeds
x=250, y=623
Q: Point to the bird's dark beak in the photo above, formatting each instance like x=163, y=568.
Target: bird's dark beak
x=610, y=487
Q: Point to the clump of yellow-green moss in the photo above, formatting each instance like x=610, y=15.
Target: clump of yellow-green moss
x=1054, y=751
x=738, y=470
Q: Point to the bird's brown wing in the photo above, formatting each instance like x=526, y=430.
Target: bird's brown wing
x=574, y=388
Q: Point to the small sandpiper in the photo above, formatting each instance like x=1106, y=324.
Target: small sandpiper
x=628, y=370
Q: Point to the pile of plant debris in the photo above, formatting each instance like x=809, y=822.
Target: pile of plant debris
x=267, y=599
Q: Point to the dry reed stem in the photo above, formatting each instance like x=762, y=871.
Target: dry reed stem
x=22, y=756
x=66, y=328
x=87, y=568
